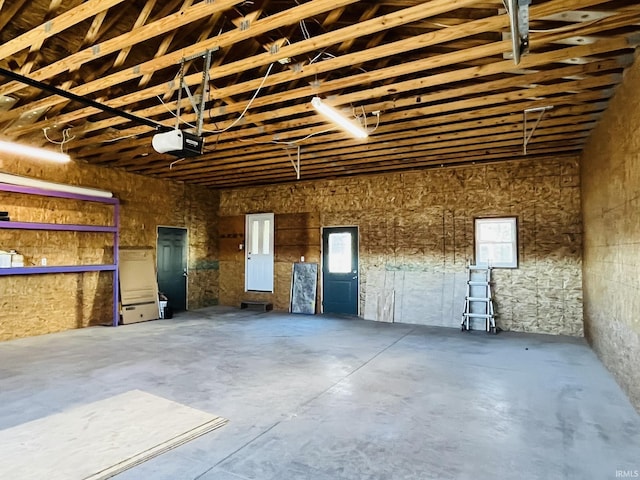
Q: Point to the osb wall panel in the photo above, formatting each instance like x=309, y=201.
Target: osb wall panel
x=416, y=237
x=37, y=304
x=611, y=202
x=296, y=235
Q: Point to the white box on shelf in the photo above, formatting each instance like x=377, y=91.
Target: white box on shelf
x=17, y=260
x=5, y=260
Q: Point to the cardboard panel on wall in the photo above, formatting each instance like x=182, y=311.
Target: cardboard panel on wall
x=138, y=286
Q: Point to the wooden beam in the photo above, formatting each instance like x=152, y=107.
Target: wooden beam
x=402, y=149
x=355, y=80
x=273, y=22
x=68, y=19
x=504, y=151
x=7, y=15
x=385, y=22
x=508, y=83
x=427, y=81
x=140, y=21
x=123, y=41
x=201, y=164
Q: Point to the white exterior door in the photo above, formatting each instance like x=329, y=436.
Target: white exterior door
x=259, y=250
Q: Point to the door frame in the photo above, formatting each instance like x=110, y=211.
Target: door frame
x=272, y=235
x=186, y=282
x=322, y=262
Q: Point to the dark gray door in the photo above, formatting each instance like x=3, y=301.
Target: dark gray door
x=340, y=270
x=172, y=266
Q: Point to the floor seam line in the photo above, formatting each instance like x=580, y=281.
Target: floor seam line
x=238, y=449
x=307, y=402
x=315, y=397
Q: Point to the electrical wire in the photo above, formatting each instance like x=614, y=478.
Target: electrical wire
x=559, y=29
x=66, y=137
x=174, y=162
x=377, y=114
x=255, y=95
x=111, y=140
x=300, y=140
x=441, y=25
x=566, y=28
x=290, y=142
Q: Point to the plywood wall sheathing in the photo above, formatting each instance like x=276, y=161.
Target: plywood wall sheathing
x=37, y=304
x=416, y=236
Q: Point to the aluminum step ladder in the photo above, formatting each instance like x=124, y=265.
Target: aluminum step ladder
x=478, y=303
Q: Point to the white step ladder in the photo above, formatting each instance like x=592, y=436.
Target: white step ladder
x=478, y=302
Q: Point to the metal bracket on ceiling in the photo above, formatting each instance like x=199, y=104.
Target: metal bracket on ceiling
x=296, y=165
x=518, y=11
x=198, y=106
x=527, y=136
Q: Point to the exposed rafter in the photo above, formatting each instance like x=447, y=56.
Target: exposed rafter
x=439, y=72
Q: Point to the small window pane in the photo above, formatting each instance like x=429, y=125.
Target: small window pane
x=266, y=234
x=340, y=252
x=255, y=237
x=495, y=232
x=496, y=242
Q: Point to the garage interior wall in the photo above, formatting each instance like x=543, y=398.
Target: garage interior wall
x=611, y=209
x=416, y=237
x=38, y=304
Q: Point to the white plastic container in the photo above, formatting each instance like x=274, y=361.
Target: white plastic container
x=5, y=260
x=17, y=260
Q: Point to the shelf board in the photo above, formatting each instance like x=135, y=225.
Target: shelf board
x=57, y=269
x=58, y=226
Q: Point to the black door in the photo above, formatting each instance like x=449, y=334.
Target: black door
x=172, y=266
x=340, y=270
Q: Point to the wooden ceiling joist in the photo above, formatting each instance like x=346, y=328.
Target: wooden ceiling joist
x=437, y=72
x=52, y=27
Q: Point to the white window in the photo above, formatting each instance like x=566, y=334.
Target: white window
x=340, y=255
x=496, y=242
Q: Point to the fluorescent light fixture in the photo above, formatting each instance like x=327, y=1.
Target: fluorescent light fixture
x=33, y=152
x=339, y=119
x=58, y=187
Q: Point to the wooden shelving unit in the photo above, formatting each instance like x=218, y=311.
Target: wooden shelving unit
x=113, y=229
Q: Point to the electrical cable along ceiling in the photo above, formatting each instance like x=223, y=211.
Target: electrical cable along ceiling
x=432, y=83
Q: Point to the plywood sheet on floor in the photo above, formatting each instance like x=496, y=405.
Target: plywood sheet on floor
x=100, y=439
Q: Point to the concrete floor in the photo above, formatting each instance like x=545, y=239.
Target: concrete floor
x=312, y=397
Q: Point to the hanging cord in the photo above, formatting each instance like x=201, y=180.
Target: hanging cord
x=66, y=138
x=111, y=140
x=565, y=28
x=377, y=114
x=290, y=142
x=300, y=140
x=255, y=95
x=364, y=116
x=174, y=162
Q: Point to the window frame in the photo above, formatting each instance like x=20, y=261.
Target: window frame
x=513, y=220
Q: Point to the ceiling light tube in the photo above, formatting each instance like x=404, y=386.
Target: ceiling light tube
x=30, y=182
x=33, y=152
x=339, y=119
